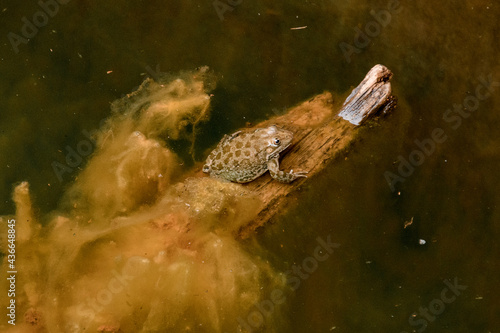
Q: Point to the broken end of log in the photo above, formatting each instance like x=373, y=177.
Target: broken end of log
x=369, y=96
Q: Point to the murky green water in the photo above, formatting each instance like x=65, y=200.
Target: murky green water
x=60, y=84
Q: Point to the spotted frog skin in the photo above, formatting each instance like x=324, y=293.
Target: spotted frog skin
x=245, y=156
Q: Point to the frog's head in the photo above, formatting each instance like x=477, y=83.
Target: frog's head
x=277, y=139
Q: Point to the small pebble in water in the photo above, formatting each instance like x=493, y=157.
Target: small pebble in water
x=421, y=242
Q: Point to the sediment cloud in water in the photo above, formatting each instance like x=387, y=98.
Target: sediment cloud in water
x=136, y=246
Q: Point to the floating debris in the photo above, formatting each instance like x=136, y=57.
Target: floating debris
x=408, y=223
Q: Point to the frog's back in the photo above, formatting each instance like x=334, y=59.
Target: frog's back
x=239, y=158
x=242, y=157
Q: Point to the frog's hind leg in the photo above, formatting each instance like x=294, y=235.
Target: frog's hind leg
x=274, y=169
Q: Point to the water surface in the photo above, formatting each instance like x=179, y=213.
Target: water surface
x=60, y=84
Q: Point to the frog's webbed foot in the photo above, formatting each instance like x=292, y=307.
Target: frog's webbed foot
x=281, y=176
x=299, y=173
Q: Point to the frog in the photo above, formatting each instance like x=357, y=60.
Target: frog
x=245, y=156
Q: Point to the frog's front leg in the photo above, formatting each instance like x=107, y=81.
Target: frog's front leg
x=274, y=169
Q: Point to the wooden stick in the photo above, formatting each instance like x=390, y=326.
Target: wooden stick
x=321, y=134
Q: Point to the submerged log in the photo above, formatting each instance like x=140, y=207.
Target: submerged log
x=321, y=133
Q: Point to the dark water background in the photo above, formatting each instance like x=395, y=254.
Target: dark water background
x=57, y=86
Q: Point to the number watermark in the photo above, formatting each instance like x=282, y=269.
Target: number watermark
x=11, y=271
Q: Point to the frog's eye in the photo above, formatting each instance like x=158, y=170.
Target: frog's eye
x=276, y=141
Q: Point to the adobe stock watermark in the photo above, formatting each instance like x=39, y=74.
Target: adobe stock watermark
x=223, y=6
x=133, y=268
x=453, y=118
x=436, y=307
x=294, y=278
x=74, y=157
x=39, y=19
x=372, y=29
